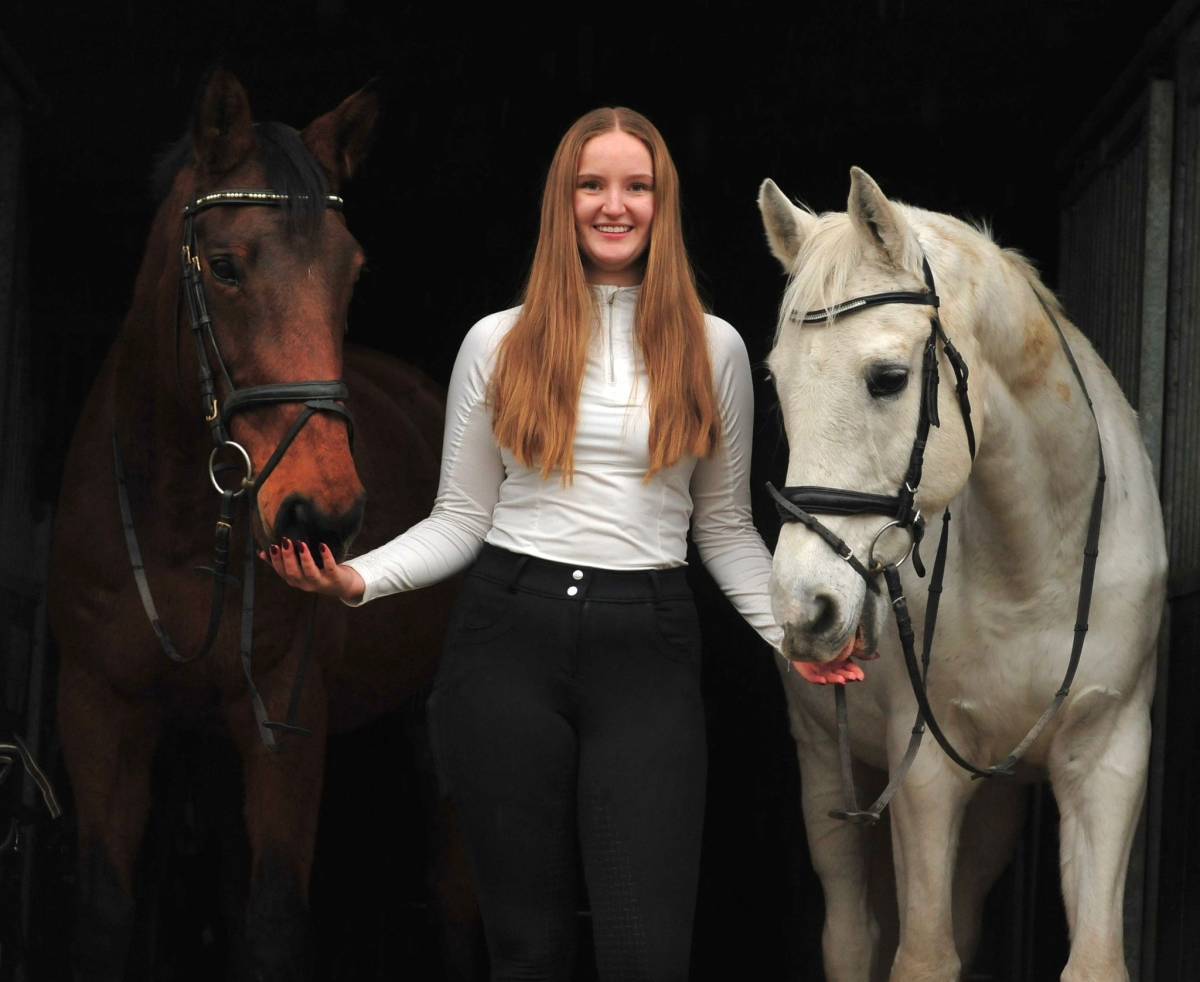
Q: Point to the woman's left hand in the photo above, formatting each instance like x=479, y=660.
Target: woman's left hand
x=826, y=673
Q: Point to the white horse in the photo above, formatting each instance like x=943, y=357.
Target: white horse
x=849, y=395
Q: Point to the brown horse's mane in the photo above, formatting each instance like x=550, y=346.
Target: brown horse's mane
x=289, y=166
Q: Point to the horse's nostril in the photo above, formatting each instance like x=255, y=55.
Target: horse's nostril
x=300, y=520
x=296, y=513
x=824, y=614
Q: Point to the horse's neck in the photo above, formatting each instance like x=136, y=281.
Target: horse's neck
x=1027, y=502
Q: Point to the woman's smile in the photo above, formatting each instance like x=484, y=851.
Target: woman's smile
x=614, y=207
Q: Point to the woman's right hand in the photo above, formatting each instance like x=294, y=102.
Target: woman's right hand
x=296, y=566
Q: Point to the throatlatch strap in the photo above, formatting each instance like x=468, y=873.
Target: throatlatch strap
x=1091, y=552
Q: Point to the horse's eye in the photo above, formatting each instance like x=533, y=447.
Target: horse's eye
x=224, y=270
x=886, y=380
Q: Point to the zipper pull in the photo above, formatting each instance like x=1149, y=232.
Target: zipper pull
x=612, y=370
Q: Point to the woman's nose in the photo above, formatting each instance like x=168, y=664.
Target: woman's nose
x=614, y=204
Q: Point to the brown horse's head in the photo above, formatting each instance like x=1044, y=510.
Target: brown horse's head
x=277, y=282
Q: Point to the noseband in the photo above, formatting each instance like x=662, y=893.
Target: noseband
x=802, y=503
x=319, y=396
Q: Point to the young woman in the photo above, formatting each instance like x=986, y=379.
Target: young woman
x=584, y=429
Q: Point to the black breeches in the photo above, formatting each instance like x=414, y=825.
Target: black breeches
x=567, y=721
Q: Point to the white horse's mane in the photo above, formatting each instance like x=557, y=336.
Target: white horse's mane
x=833, y=249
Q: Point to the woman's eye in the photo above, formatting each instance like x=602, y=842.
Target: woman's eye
x=641, y=186
x=886, y=380
x=224, y=270
x=589, y=185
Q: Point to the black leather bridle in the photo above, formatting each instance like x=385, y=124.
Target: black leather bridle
x=802, y=503
x=320, y=396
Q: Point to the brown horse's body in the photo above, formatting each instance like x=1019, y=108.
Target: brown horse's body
x=118, y=691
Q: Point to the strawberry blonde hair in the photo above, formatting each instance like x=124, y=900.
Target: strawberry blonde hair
x=534, y=391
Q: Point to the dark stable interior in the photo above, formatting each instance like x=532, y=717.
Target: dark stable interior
x=966, y=108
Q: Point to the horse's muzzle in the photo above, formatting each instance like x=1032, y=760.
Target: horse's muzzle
x=300, y=520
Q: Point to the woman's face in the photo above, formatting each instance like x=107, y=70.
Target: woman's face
x=614, y=207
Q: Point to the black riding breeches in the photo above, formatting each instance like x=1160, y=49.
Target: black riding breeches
x=567, y=716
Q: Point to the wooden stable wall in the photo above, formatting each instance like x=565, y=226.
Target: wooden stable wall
x=1179, y=914
x=1130, y=277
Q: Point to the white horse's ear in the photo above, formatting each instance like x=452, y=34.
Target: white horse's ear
x=787, y=225
x=880, y=222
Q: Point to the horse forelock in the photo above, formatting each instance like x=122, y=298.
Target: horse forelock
x=827, y=259
x=834, y=251
x=287, y=165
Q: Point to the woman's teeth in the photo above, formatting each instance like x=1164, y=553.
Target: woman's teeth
x=614, y=228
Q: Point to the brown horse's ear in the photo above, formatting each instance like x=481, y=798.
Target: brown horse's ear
x=340, y=139
x=222, y=129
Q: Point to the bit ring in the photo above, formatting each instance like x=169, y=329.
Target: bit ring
x=212, y=459
x=876, y=567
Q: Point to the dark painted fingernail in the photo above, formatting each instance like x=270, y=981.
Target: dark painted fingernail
x=274, y=550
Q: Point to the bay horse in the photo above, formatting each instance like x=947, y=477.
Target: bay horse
x=275, y=278
x=860, y=341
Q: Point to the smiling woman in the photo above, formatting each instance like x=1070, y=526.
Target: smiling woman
x=586, y=429
x=614, y=207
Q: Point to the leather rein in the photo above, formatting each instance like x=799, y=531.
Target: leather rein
x=319, y=396
x=802, y=503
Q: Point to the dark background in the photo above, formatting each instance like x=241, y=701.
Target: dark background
x=961, y=107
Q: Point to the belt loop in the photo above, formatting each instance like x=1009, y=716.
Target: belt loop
x=518, y=568
x=656, y=586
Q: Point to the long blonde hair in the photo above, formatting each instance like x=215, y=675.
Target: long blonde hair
x=539, y=371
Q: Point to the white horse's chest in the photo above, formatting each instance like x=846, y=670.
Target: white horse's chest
x=996, y=664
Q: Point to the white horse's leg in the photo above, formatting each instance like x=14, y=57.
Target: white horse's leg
x=1098, y=770
x=993, y=822
x=927, y=815
x=838, y=850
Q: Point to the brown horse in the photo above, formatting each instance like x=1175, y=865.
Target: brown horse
x=278, y=282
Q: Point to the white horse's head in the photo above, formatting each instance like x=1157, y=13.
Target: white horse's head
x=850, y=391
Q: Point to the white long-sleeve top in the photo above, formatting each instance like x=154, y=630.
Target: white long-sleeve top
x=608, y=516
